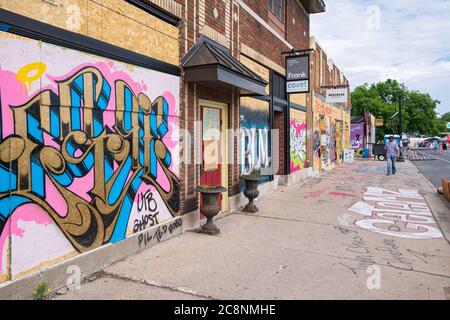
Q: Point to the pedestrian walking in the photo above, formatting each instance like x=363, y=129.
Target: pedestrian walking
x=436, y=146
x=444, y=149
x=392, y=152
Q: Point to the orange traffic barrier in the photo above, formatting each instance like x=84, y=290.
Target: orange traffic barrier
x=445, y=188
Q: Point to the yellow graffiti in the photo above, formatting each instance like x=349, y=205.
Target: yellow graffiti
x=31, y=72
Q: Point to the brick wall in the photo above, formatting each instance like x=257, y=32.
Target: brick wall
x=254, y=35
x=278, y=124
x=322, y=68
x=297, y=26
x=229, y=24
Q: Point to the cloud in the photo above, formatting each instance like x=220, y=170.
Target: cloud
x=372, y=40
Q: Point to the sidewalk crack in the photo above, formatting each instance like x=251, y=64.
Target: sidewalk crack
x=156, y=284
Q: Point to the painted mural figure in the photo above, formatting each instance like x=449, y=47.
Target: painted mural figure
x=316, y=144
x=333, y=143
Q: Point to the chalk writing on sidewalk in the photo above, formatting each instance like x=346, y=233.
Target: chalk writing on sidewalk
x=402, y=213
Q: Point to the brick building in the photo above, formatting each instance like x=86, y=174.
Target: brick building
x=112, y=111
x=331, y=122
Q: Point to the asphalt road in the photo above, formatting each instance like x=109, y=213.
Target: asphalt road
x=434, y=169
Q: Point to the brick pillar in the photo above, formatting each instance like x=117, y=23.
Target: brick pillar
x=278, y=123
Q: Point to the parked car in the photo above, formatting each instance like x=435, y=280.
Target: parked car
x=427, y=142
x=379, y=152
x=445, y=138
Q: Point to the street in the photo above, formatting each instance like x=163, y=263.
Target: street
x=434, y=169
x=327, y=237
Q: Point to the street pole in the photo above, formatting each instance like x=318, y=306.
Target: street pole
x=400, y=158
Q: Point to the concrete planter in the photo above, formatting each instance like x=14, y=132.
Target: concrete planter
x=251, y=192
x=210, y=207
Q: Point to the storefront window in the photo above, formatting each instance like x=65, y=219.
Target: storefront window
x=279, y=86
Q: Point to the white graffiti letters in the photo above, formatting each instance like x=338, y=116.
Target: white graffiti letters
x=254, y=149
x=402, y=213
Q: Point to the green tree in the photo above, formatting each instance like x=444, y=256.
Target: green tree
x=446, y=117
x=382, y=100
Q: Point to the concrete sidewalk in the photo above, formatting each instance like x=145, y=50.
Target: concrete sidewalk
x=313, y=240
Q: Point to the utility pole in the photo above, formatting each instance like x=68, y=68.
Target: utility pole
x=400, y=158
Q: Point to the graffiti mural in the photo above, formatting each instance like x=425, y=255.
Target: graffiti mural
x=254, y=137
x=316, y=148
x=298, y=140
x=325, y=140
x=333, y=142
x=86, y=155
x=357, y=136
x=399, y=213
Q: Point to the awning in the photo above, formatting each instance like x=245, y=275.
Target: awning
x=211, y=64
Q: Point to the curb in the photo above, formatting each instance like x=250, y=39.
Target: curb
x=439, y=209
x=440, y=212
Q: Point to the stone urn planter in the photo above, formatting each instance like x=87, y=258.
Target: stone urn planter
x=251, y=191
x=210, y=206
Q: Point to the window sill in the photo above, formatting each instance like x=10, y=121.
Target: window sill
x=276, y=24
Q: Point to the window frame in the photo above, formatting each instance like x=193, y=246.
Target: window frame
x=274, y=6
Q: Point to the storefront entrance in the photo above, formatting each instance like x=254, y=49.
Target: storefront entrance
x=214, y=117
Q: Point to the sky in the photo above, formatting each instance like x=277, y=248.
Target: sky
x=373, y=40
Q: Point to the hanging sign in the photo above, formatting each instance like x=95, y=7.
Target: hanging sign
x=337, y=95
x=379, y=122
x=297, y=74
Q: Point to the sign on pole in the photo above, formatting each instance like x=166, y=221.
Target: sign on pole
x=337, y=95
x=297, y=74
x=379, y=122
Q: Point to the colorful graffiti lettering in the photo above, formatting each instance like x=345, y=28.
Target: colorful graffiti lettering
x=85, y=149
x=298, y=145
x=59, y=140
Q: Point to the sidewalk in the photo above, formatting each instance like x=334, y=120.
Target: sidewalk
x=314, y=240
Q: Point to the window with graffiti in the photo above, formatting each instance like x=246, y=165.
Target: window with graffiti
x=86, y=154
x=297, y=140
x=255, y=137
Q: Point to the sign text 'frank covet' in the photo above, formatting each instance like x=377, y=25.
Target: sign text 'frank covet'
x=297, y=74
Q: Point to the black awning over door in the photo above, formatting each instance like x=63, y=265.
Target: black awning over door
x=209, y=63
